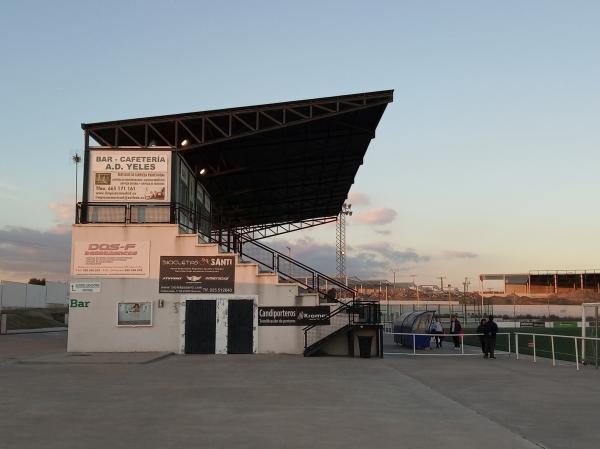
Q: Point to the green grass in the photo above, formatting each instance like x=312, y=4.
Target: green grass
x=564, y=348
x=34, y=318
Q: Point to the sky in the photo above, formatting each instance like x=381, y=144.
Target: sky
x=486, y=161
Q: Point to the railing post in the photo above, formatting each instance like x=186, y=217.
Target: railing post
x=509, y=349
x=414, y=345
x=462, y=344
x=517, y=345
x=534, y=350
x=576, y=354
x=552, y=345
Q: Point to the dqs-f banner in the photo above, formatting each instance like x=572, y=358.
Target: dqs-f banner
x=111, y=259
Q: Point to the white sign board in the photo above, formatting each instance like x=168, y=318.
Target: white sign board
x=111, y=259
x=129, y=176
x=134, y=314
x=85, y=287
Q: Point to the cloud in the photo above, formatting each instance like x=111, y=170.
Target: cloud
x=367, y=261
x=459, y=255
x=383, y=231
x=8, y=191
x=26, y=253
x=64, y=211
x=358, y=199
x=377, y=216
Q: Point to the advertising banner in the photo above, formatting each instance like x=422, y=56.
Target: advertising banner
x=129, y=176
x=111, y=259
x=293, y=316
x=197, y=274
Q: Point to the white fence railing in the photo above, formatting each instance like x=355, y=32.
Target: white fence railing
x=536, y=337
x=414, y=336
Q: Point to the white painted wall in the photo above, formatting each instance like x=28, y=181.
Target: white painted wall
x=14, y=294
x=21, y=295
x=94, y=329
x=35, y=297
x=57, y=293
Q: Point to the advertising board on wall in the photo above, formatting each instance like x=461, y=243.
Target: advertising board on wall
x=129, y=176
x=121, y=259
x=134, y=313
x=293, y=316
x=197, y=274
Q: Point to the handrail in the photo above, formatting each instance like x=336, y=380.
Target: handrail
x=552, y=337
x=276, y=256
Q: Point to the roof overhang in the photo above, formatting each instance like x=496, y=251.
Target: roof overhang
x=268, y=163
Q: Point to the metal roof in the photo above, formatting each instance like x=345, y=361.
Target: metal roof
x=267, y=163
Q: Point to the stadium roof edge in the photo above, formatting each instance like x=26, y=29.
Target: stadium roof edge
x=388, y=93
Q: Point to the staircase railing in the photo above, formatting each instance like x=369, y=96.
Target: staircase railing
x=355, y=312
x=313, y=281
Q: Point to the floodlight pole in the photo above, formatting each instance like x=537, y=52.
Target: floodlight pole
x=340, y=240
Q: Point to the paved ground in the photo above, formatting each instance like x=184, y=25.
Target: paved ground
x=292, y=402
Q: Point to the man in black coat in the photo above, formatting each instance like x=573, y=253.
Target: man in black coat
x=481, y=330
x=491, y=329
x=455, y=329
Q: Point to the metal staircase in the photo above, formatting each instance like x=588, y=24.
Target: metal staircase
x=330, y=290
x=351, y=311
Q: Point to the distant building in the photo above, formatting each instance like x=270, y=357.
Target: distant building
x=540, y=282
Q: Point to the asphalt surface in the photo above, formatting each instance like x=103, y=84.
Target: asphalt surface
x=276, y=401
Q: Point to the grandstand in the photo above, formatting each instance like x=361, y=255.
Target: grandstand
x=540, y=283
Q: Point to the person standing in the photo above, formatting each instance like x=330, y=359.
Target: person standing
x=455, y=329
x=491, y=329
x=438, y=330
x=481, y=332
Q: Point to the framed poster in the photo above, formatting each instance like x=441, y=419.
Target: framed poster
x=197, y=274
x=117, y=259
x=118, y=176
x=134, y=313
x=293, y=315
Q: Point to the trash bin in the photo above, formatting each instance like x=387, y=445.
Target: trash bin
x=364, y=346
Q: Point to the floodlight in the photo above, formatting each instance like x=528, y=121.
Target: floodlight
x=202, y=171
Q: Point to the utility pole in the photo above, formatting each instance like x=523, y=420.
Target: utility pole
x=465, y=289
x=441, y=278
x=394, y=270
x=76, y=159
x=340, y=240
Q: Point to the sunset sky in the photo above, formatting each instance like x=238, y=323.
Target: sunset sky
x=487, y=160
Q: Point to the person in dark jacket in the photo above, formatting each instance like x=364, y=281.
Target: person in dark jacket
x=481, y=330
x=491, y=329
x=455, y=329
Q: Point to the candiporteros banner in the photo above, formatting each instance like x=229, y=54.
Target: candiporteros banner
x=293, y=316
x=111, y=259
x=197, y=274
x=129, y=176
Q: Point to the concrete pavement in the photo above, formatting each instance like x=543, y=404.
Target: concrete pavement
x=269, y=401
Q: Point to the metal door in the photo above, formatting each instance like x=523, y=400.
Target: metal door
x=200, y=325
x=239, y=327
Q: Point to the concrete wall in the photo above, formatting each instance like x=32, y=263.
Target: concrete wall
x=21, y=295
x=94, y=328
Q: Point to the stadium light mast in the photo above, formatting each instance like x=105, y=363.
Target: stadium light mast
x=340, y=241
